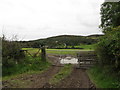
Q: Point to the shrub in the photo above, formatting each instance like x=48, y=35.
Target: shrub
x=11, y=53
x=108, y=48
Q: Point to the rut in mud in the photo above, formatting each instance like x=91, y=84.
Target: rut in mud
x=77, y=79
x=43, y=79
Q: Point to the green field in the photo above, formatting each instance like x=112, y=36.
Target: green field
x=57, y=51
x=63, y=51
x=30, y=65
x=86, y=47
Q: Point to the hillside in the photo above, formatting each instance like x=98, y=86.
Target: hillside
x=63, y=41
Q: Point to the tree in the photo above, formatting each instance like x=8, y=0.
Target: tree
x=110, y=15
x=108, y=48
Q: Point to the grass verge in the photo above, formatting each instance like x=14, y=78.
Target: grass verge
x=102, y=77
x=64, y=72
x=28, y=66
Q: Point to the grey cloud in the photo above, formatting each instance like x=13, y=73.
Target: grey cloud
x=89, y=24
x=112, y=0
x=43, y=18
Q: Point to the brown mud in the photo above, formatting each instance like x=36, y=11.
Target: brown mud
x=77, y=79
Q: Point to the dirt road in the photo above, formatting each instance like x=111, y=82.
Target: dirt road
x=77, y=79
x=41, y=81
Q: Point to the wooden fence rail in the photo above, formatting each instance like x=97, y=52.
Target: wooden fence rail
x=86, y=59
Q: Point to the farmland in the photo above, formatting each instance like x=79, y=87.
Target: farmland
x=59, y=44
x=35, y=67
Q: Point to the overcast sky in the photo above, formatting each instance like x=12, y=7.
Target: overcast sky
x=35, y=19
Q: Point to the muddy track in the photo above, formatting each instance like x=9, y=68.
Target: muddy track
x=77, y=79
x=35, y=80
x=43, y=79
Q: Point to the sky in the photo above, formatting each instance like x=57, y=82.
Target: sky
x=35, y=19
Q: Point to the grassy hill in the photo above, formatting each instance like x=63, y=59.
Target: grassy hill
x=63, y=41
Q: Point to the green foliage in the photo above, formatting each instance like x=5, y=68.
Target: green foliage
x=16, y=62
x=31, y=50
x=106, y=74
x=61, y=42
x=104, y=77
x=67, y=40
x=11, y=53
x=110, y=15
x=64, y=72
x=108, y=49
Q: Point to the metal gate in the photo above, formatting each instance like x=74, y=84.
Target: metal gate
x=86, y=59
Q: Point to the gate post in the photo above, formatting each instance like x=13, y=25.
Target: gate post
x=43, y=54
x=78, y=62
x=78, y=56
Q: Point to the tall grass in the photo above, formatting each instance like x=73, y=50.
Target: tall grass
x=104, y=77
x=29, y=64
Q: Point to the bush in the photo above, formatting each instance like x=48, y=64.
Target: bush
x=102, y=77
x=11, y=53
x=108, y=48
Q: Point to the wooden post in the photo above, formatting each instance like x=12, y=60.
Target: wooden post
x=79, y=62
x=78, y=56
x=43, y=54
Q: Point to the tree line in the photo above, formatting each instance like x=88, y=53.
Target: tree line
x=108, y=47
x=62, y=41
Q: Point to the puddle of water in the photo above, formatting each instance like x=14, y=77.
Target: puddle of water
x=68, y=60
x=71, y=60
